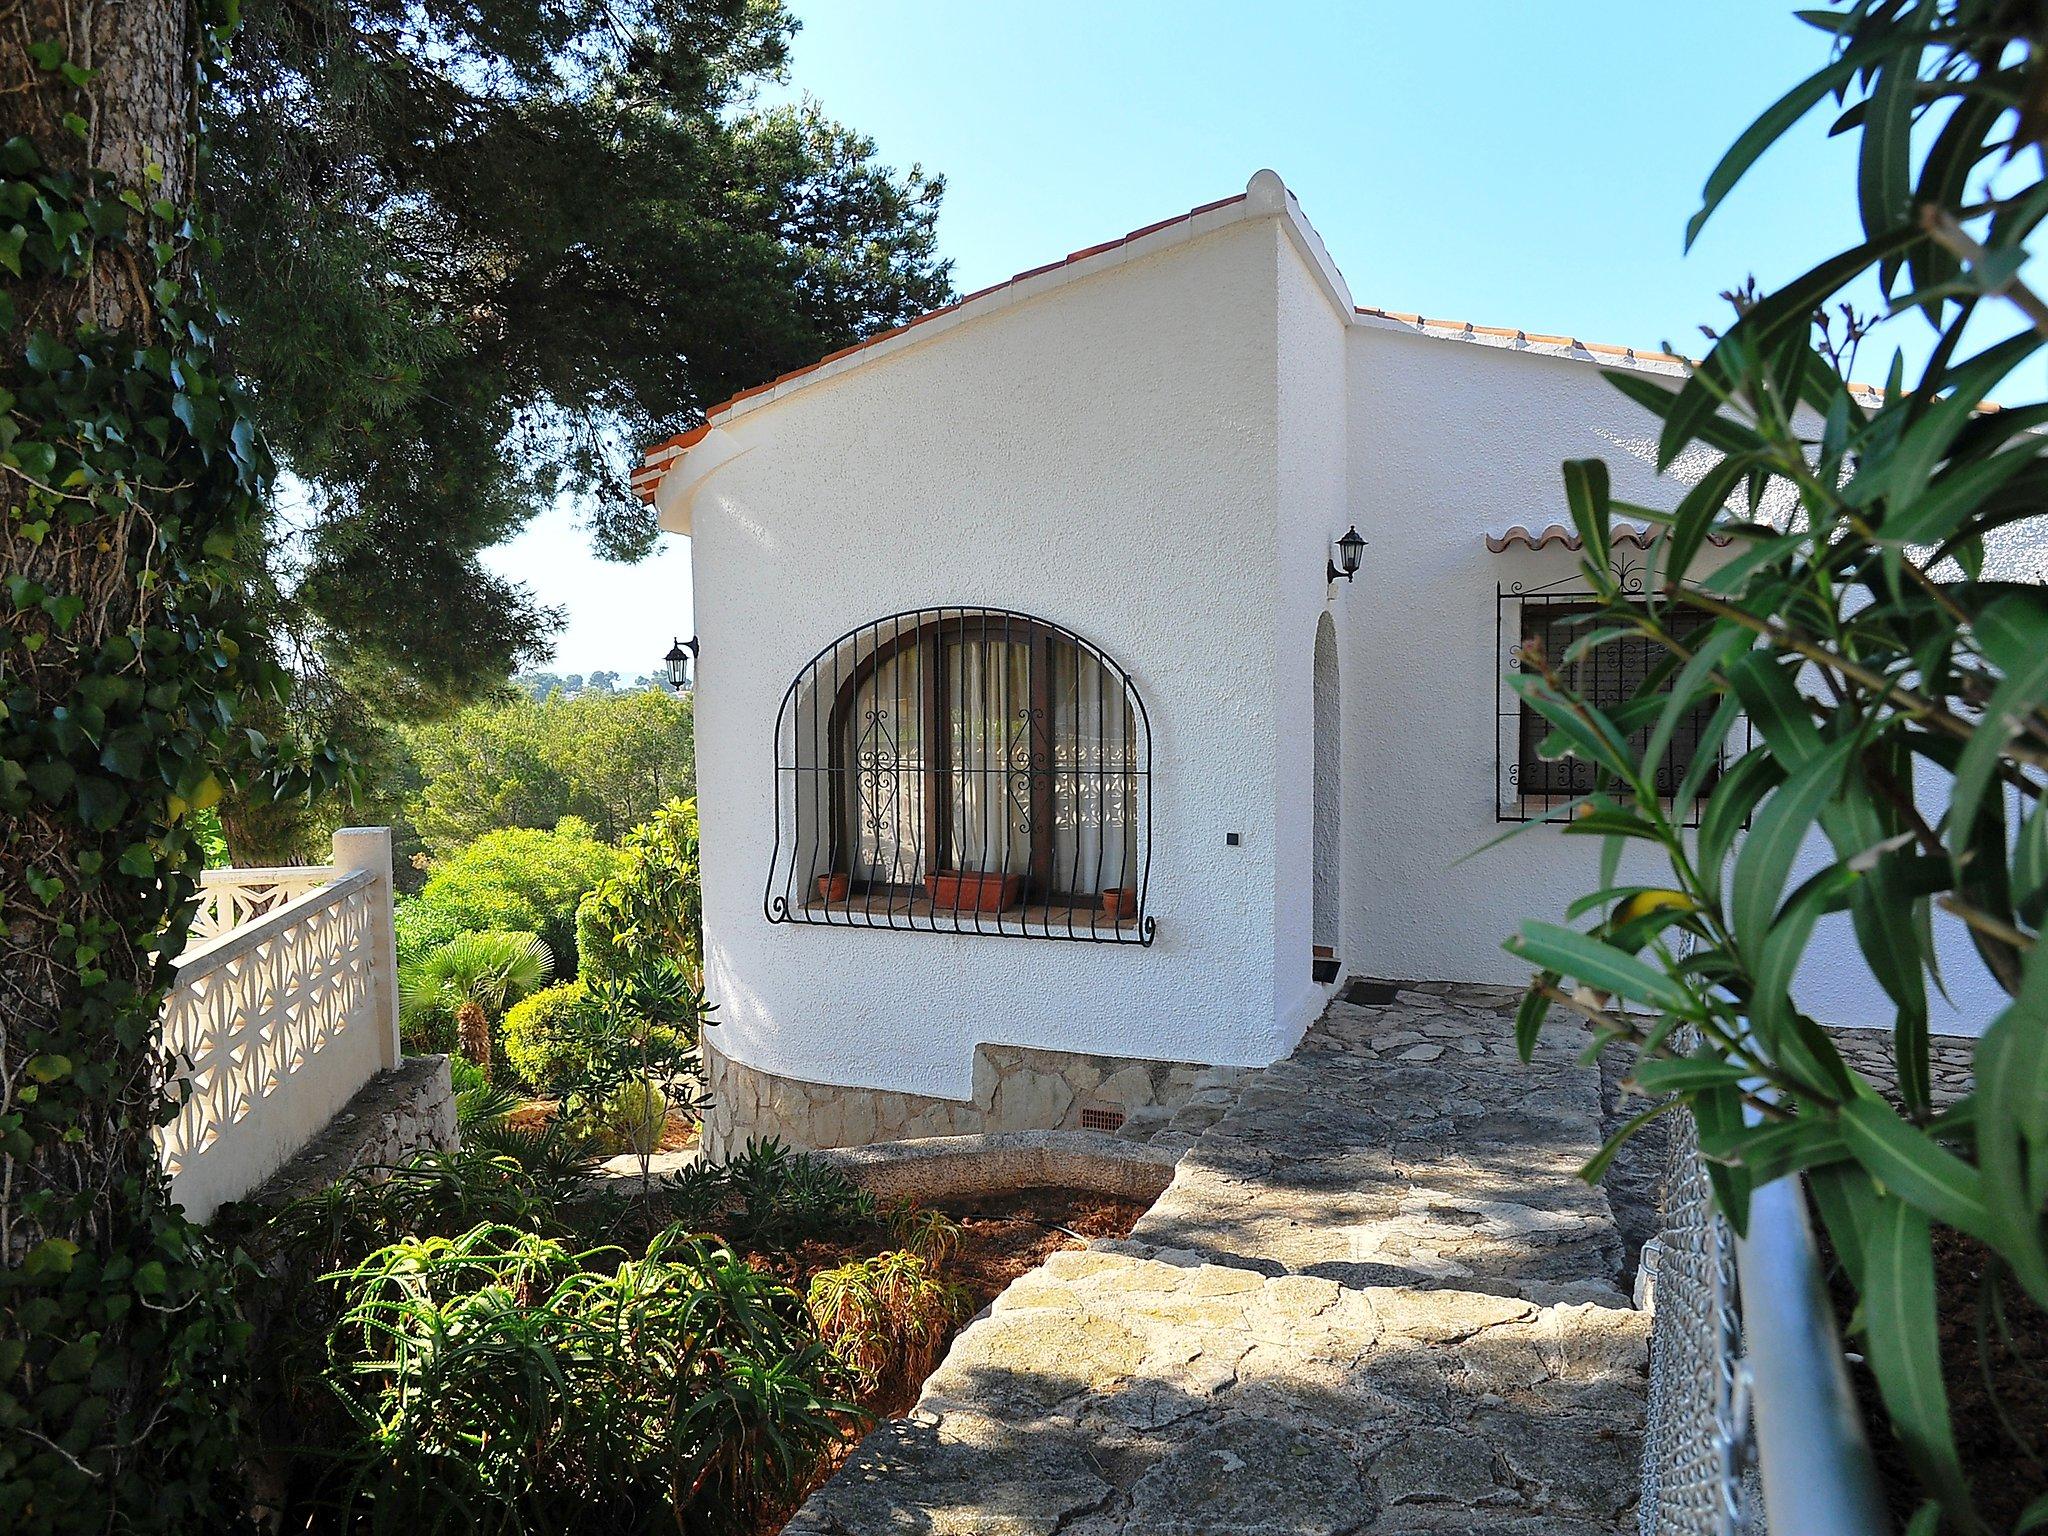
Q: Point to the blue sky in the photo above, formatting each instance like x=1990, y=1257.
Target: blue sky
x=1509, y=162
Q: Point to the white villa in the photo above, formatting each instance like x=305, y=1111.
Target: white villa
x=1047, y=757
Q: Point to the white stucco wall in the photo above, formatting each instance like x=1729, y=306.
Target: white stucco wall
x=1156, y=447
x=1313, y=513
x=1104, y=458
x=1450, y=441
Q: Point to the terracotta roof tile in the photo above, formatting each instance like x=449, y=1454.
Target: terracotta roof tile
x=1568, y=538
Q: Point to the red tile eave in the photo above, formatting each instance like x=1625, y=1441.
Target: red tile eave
x=1567, y=538
x=659, y=458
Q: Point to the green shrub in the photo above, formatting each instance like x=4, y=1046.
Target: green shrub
x=421, y=928
x=651, y=908
x=770, y=1197
x=499, y=1382
x=885, y=1319
x=543, y=1036
x=524, y=879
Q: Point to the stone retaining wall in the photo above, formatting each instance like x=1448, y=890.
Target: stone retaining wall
x=1951, y=1060
x=1016, y=1088
x=954, y=1167
x=396, y=1114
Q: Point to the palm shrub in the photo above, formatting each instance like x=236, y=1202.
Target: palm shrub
x=1897, y=683
x=498, y=1381
x=463, y=982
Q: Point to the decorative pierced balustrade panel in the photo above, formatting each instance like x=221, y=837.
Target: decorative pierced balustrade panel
x=245, y=1017
x=234, y=898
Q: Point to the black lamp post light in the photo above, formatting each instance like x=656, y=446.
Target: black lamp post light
x=678, y=660
x=1350, y=549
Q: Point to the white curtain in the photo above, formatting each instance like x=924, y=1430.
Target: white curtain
x=882, y=781
x=988, y=698
x=1082, y=763
x=1095, y=777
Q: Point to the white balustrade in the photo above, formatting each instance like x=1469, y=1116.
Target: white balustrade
x=280, y=1012
x=234, y=898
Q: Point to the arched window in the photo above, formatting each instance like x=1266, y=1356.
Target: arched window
x=964, y=770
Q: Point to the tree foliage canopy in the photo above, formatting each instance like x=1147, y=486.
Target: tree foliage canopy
x=473, y=254
x=611, y=759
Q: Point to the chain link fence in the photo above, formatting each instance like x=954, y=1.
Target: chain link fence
x=1699, y=1475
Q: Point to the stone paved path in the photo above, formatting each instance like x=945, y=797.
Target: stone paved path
x=1375, y=1301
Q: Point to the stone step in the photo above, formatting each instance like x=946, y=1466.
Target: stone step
x=1108, y=1394
x=1375, y=1300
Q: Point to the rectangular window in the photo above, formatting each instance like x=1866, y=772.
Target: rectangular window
x=1607, y=676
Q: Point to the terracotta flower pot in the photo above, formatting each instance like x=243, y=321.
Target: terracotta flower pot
x=834, y=887
x=1119, y=901
x=953, y=891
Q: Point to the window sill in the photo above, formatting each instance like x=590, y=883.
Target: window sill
x=1533, y=808
x=917, y=914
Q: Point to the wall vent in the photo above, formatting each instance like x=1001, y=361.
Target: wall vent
x=1101, y=1117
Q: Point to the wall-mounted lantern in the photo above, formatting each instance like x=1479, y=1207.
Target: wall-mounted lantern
x=678, y=660
x=1350, y=550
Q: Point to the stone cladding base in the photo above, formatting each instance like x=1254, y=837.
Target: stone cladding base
x=1016, y=1088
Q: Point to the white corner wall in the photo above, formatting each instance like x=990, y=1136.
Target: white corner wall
x=1103, y=457
x=1313, y=514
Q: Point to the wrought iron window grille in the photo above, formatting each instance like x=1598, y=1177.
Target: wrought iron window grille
x=1529, y=787
x=964, y=770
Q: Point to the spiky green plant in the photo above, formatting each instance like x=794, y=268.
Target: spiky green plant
x=769, y=1197
x=932, y=1235
x=501, y=1382
x=885, y=1319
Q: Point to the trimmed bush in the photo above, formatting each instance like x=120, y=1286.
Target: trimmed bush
x=523, y=879
x=543, y=1035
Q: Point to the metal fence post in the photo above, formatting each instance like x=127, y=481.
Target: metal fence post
x=369, y=848
x=1818, y=1478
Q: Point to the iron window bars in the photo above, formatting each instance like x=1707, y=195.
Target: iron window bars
x=964, y=770
x=1530, y=786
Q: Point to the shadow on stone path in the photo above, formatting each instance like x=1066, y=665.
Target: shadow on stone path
x=1376, y=1299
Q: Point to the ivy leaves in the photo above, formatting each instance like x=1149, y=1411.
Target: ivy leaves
x=129, y=493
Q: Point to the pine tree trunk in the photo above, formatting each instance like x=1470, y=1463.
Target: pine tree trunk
x=141, y=115
x=142, y=105
x=91, y=1200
